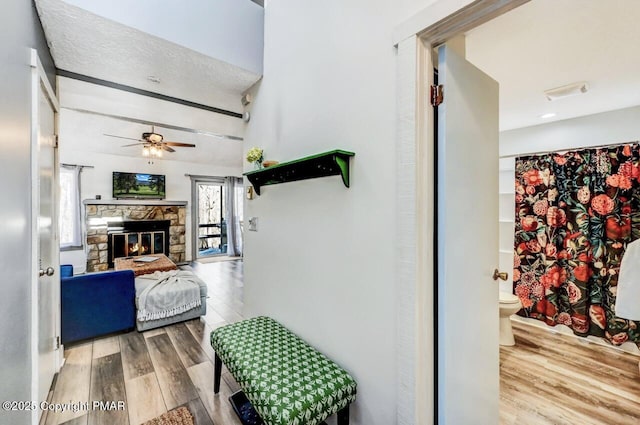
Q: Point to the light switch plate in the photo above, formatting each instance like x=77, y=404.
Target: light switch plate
x=253, y=224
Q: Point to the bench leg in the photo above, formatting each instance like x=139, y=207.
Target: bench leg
x=343, y=416
x=217, y=373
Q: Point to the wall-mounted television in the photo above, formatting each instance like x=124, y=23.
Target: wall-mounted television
x=138, y=186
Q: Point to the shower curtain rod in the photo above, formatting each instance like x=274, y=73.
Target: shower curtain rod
x=566, y=149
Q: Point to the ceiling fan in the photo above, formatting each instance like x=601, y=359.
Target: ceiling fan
x=153, y=143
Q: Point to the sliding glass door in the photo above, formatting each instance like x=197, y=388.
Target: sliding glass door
x=217, y=216
x=211, y=231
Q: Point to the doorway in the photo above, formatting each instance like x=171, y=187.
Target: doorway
x=216, y=217
x=442, y=23
x=211, y=229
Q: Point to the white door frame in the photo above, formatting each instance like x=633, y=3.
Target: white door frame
x=195, y=181
x=415, y=39
x=39, y=81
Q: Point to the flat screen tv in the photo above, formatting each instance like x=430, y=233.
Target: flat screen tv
x=138, y=186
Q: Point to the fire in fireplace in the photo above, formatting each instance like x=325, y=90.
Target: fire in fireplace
x=138, y=237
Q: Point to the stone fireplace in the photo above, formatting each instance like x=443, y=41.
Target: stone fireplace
x=134, y=238
x=121, y=228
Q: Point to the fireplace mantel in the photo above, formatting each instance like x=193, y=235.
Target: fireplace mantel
x=134, y=202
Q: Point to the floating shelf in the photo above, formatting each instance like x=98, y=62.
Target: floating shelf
x=325, y=164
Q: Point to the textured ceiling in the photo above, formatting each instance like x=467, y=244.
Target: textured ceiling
x=538, y=46
x=549, y=43
x=88, y=44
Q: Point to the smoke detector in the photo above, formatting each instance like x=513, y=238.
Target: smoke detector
x=566, y=91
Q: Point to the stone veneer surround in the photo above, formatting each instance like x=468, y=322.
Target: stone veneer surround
x=98, y=213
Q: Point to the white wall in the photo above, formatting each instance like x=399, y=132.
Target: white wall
x=323, y=259
x=622, y=125
x=21, y=31
x=229, y=30
x=82, y=141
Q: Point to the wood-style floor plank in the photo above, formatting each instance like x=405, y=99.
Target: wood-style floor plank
x=106, y=346
x=230, y=381
x=217, y=405
x=175, y=384
x=186, y=345
x=73, y=382
x=144, y=397
x=201, y=331
x=212, y=316
x=82, y=420
x=107, y=385
x=556, y=379
x=199, y=413
x=135, y=356
x=153, y=332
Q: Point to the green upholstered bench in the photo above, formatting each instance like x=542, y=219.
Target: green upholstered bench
x=286, y=380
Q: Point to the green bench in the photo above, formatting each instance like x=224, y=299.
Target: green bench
x=286, y=380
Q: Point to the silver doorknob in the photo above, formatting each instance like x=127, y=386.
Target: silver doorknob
x=500, y=275
x=41, y=273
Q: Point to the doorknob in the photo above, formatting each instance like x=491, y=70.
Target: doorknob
x=500, y=275
x=49, y=272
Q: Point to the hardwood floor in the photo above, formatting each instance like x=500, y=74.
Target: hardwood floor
x=157, y=370
x=546, y=379
x=554, y=379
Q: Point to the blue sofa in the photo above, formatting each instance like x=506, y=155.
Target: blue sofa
x=96, y=304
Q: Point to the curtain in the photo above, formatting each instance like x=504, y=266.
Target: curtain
x=575, y=214
x=233, y=186
x=69, y=221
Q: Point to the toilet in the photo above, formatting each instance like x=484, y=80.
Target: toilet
x=509, y=305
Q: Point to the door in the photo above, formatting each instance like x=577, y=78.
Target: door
x=467, y=241
x=48, y=280
x=211, y=230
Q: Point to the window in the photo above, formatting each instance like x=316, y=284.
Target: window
x=70, y=227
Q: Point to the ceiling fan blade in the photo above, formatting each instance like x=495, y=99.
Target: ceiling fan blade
x=134, y=144
x=167, y=148
x=120, y=137
x=228, y=137
x=184, y=145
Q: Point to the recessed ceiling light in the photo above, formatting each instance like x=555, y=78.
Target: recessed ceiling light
x=153, y=79
x=566, y=91
x=548, y=115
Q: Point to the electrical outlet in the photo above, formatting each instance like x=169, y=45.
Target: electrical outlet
x=253, y=224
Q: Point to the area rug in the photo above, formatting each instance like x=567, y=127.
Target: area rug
x=179, y=416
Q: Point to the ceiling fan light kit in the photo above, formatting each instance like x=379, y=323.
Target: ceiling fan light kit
x=153, y=144
x=152, y=137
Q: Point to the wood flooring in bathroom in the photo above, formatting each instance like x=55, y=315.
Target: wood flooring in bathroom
x=554, y=379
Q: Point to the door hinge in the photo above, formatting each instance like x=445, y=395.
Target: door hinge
x=57, y=342
x=55, y=142
x=437, y=95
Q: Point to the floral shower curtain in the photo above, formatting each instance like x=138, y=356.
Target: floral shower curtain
x=575, y=214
